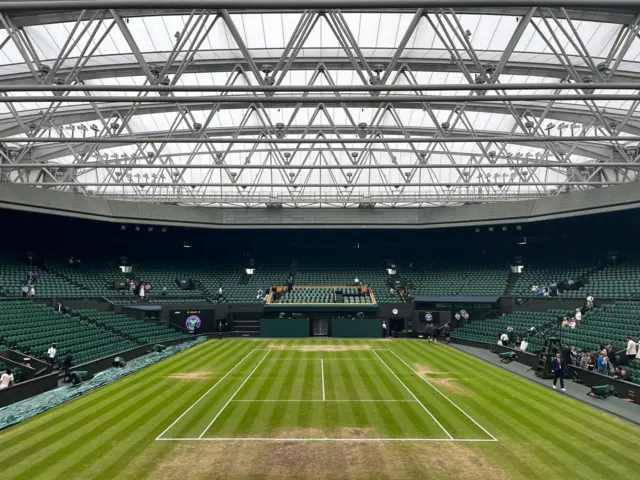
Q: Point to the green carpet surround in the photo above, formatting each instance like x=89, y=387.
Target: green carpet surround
x=223, y=410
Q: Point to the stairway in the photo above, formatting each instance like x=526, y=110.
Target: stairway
x=513, y=279
x=293, y=269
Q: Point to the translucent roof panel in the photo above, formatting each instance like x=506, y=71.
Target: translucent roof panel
x=386, y=148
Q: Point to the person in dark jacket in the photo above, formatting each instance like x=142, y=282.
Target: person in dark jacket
x=558, y=373
x=66, y=364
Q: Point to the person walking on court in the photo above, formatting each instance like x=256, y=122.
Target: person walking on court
x=384, y=329
x=558, y=373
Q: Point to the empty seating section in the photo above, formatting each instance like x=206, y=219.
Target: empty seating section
x=312, y=274
x=25, y=325
x=94, y=278
x=351, y=295
x=138, y=331
x=544, y=273
x=613, y=281
x=166, y=275
x=13, y=275
x=457, y=279
x=490, y=330
x=607, y=324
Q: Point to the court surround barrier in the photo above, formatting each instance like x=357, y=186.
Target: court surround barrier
x=26, y=409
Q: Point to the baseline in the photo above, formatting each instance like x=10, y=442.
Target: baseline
x=320, y=439
x=204, y=395
x=445, y=397
x=412, y=394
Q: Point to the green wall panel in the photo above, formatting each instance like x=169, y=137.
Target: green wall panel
x=356, y=328
x=291, y=328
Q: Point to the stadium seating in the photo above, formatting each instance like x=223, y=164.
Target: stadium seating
x=489, y=330
x=138, y=331
x=549, y=270
x=351, y=295
x=13, y=275
x=607, y=324
x=25, y=325
x=613, y=281
x=458, y=279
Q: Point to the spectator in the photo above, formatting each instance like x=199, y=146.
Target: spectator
x=590, y=302
x=6, y=380
x=558, y=373
x=32, y=291
x=524, y=345
x=25, y=290
x=612, y=358
x=603, y=364
x=638, y=348
x=504, y=338
x=632, y=350
x=220, y=293
x=66, y=364
x=575, y=357
x=51, y=354
x=511, y=334
x=384, y=329
x=578, y=316
x=141, y=290
x=164, y=291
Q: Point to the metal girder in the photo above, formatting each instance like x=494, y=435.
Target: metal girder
x=115, y=66
x=144, y=166
x=351, y=100
x=76, y=114
x=603, y=15
x=61, y=5
x=603, y=183
x=319, y=141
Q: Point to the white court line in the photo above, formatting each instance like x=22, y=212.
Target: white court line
x=323, y=400
x=447, y=398
x=276, y=439
x=416, y=398
x=324, y=397
x=278, y=359
x=234, y=394
x=204, y=395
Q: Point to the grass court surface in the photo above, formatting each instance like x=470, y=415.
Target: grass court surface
x=396, y=409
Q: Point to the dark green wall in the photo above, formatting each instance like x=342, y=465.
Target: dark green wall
x=356, y=328
x=276, y=327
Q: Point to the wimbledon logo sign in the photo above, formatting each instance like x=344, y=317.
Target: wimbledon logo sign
x=193, y=322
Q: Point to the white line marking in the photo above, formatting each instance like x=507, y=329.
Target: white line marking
x=319, y=439
x=447, y=398
x=330, y=400
x=275, y=359
x=416, y=398
x=204, y=395
x=234, y=394
x=324, y=397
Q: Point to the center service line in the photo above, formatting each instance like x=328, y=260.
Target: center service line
x=322, y=369
x=416, y=398
x=234, y=394
x=204, y=395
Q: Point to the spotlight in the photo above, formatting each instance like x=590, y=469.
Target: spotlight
x=123, y=227
x=491, y=229
x=518, y=227
x=150, y=229
x=504, y=229
x=477, y=229
x=164, y=229
x=137, y=229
